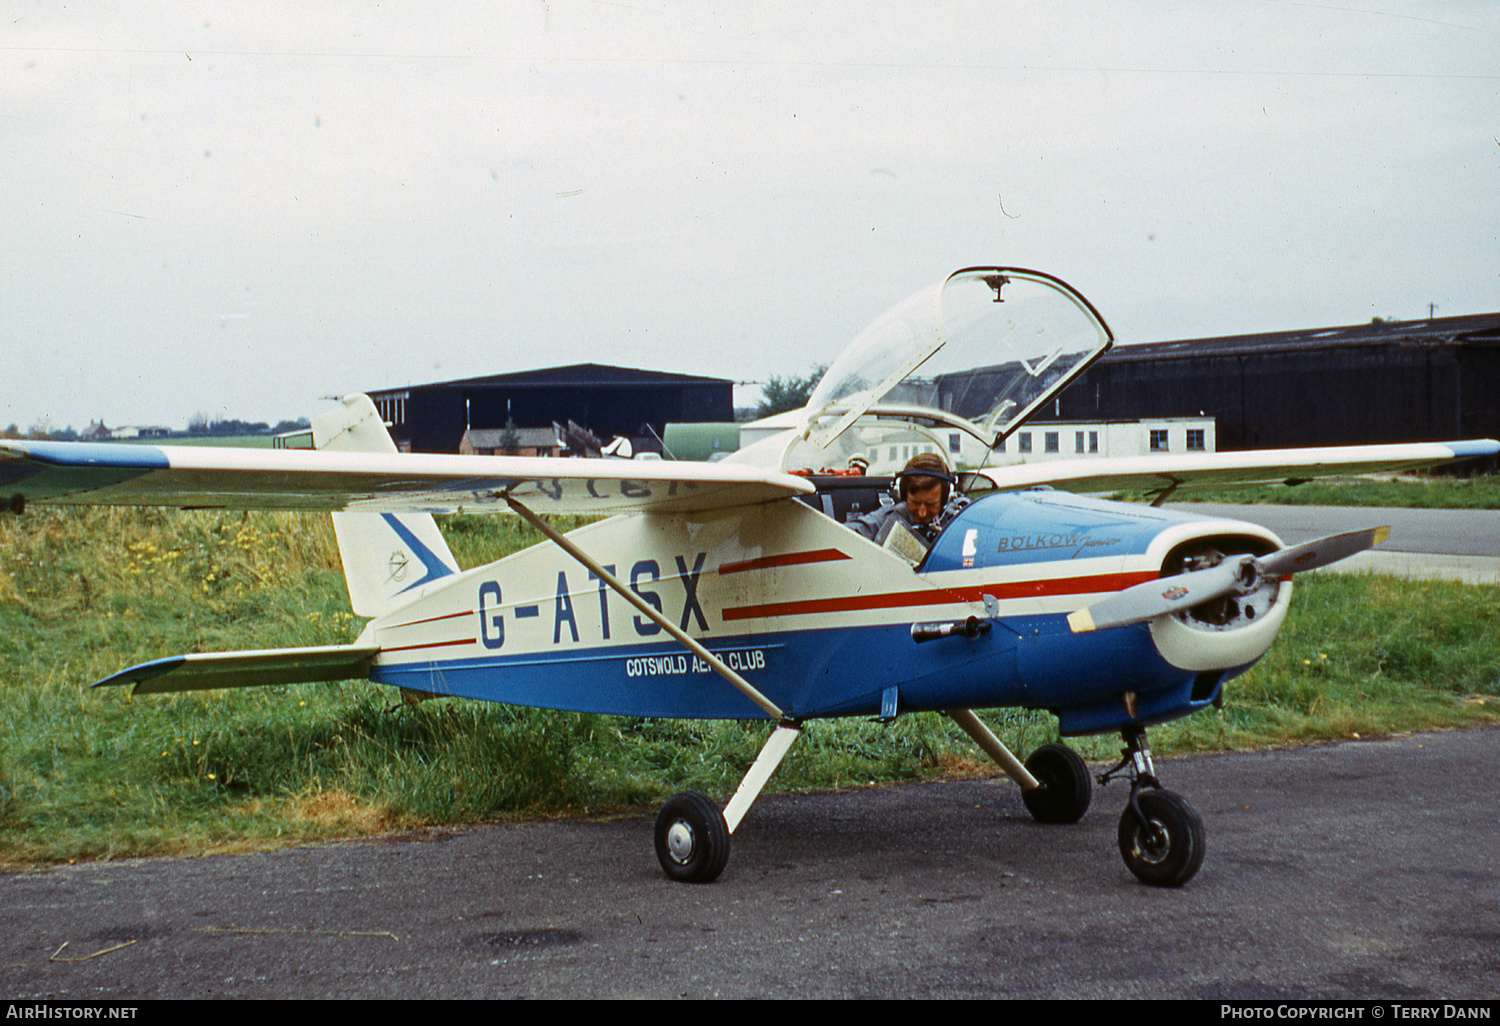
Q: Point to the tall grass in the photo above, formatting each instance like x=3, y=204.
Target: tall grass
x=97, y=774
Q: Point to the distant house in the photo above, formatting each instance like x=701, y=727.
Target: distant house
x=607, y=401
x=95, y=432
x=542, y=441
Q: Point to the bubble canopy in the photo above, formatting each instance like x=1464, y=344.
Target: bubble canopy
x=980, y=351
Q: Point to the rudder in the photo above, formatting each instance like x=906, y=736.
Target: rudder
x=386, y=555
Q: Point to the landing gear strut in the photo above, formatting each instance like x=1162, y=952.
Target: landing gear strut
x=692, y=834
x=1161, y=837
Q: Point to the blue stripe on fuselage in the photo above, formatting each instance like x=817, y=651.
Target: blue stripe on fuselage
x=1033, y=662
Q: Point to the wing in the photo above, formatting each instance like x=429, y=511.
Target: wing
x=82, y=473
x=1168, y=474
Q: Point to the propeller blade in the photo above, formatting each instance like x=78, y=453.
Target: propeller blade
x=1236, y=575
x=1164, y=595
x=1313, y=554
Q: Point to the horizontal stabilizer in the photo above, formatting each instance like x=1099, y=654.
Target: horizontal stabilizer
x=205, y=671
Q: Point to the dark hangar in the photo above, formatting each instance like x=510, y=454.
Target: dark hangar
x=607, y=401
x=1387, y=381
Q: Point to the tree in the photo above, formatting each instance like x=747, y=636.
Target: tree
x=790, y=393
x=510, y=438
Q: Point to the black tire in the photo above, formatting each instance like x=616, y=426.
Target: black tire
x=692, y=839
x=1166, y=851
x=1066, y=787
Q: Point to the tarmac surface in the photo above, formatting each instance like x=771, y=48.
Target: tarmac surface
x=1448, y=544
x=1365, y=870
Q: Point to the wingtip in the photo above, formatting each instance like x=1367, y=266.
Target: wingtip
x=142, y=672
x=1379, y=535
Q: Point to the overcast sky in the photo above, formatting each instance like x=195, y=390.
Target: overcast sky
x=232, y=209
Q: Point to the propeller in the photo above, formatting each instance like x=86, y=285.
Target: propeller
x=1236, y=575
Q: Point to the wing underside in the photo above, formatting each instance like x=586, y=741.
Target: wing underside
x=1183, y=473
x=77, y=473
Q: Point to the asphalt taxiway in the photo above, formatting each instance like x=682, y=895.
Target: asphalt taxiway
x=1365, y=870
x=1445, y=544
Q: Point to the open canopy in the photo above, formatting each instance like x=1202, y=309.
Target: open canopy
x=979, y=351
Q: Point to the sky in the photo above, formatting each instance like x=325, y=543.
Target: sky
x=235, y=210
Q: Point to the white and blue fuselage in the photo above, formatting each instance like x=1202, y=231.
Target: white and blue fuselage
x=819, y=619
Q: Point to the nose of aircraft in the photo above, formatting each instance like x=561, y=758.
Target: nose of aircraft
x=1239, y=575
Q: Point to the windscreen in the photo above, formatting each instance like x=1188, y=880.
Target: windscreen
x=989, y=345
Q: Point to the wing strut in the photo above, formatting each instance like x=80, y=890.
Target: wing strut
x=994, y=748
x=648, y=610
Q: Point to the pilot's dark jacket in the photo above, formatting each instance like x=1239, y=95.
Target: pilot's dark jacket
x=877, y=525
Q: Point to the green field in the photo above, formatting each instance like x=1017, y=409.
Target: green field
x=88, y=774
x=217, y=441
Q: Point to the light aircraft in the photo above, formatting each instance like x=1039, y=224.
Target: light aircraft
x=733, y=590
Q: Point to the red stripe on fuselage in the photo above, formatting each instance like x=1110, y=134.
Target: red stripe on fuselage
x=972, y=593
x=789, y=559
x=430, y=644
x=430, y=619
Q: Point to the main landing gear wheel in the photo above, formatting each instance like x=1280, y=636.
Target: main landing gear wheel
x=1066, y=786
x=1167, y=849
x=692, y=839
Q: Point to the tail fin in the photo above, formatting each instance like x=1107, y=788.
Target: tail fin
x=386, y=555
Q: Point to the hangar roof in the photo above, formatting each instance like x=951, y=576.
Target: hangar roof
x=575, y=376
x=1475, y=329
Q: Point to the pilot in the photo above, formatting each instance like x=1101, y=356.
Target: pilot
x=925, y=486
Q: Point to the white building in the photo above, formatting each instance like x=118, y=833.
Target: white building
x=1032, y=443
x=1061, y=440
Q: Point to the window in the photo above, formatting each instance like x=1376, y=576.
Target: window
x=1050, y=441
x=955, y=442
x=1078, y=441
x=392, y=408
x=1025, y=445
x=1000, y=445
x=1093, y=441
x=1195, y=439
x=1158, y=441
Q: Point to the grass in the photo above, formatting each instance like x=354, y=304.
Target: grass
x=90, y=774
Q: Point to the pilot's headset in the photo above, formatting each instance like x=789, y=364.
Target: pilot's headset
x=924, y=464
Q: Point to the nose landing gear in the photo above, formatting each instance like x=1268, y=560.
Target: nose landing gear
x=1161, y=837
